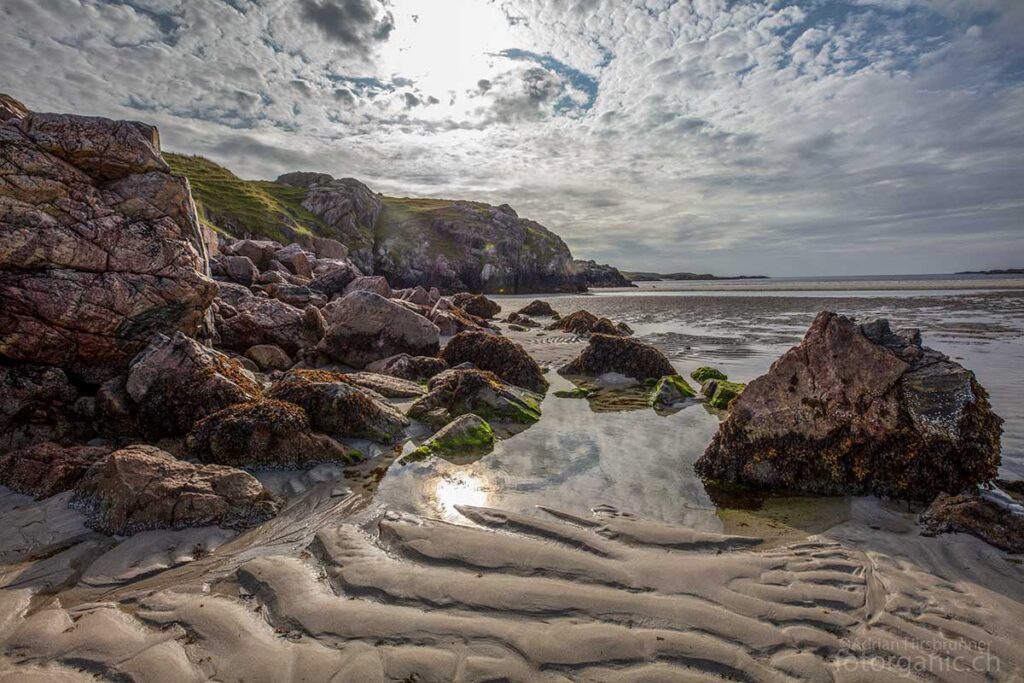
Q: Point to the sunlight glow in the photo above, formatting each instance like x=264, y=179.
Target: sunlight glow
x=460, y=488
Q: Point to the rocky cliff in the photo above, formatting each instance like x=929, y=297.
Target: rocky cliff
x=449, y=244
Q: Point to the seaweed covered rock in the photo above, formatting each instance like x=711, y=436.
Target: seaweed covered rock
x=720, y=393
x=998, y=523
x=505, y=358
x=858, y=409
x=258, y=320
x=584, y=323
x=176, y=382
x=363, y=327
x=340, y=407
x=37, y=403
x=101, y=247
x=703, y=374
x=404, y=366
x=466, y=436
x=477, y=305
x=263, y=433
x=629, y=357
x=465, y=390
x=670, y=390
x=47, y=469
x=537, y=307
x=142, y=487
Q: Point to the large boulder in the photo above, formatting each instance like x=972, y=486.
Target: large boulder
x=505, y=358
x=340, y=407
x=370, y=283
x=629, y=357
x=176, y=382
x=404, y=366
x=297, y=260
x=363, y=327
x=460, y=391
x=257, y=320
x=263, y=433
x=142, y=487
x=47, y=469
x=100, y=246
x=332, y=276
x=37, y=403
x=857, y=409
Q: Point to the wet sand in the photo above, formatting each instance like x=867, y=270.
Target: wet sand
x=582, y=549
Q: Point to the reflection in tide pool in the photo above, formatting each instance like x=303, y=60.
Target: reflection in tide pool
x=458, y=488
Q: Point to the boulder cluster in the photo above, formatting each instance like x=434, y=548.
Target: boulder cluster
x=147, y=361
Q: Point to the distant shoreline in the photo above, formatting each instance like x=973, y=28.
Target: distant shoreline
x=660, y=277
x=1003, y=271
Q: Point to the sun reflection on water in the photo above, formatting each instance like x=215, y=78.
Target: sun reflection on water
x=459, y=488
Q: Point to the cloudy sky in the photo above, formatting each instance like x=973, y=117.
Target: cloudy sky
x=786, y=138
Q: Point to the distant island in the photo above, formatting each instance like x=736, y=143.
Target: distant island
x=1005, y=271
x=657, y=277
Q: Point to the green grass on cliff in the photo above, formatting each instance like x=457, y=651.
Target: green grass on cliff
x=245, y=207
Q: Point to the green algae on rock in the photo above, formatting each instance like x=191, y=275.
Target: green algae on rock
x=703, y=374
x=468, y=435
x=466, y=390
x=575, y=392
x=671, y=389
x=720, y=393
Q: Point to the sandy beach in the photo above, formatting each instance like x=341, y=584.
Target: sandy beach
x=431, y=572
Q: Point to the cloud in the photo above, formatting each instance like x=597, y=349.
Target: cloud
x=353, y=23
x=760, y=136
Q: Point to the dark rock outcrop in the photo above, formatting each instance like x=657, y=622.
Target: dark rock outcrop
x=505, y=358
x=859, y=409
x=339, y=407
x=476, y=304
x=37, y=404
x=584, y=323
x=100, y=247
x=461, y=391
x=537, y=307
x=593, y=274
x=363, y=327
x=263, y=433
x=142, y=487
x=47, y=469
x=629, y=357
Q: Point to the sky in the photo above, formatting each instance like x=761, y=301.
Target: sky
x=769, y=137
